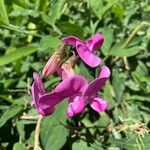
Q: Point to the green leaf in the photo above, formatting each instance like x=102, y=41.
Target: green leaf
x=21, y=131
x=81, y=145
x=71, y=29
x=19, y=146
x=108, y=34
x=48, y=42
x=107, y=94
x=100, y=8
x=85, y=72
x=118, y=11
x=118, y=50
x=3, y=13
x=8, y=114
x=55, y=12
x=118, y=85
x=53, y=133
x=17, y=54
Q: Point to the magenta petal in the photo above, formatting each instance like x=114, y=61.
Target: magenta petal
x=71, y=40
x=76, y=106
x=46, y=112
x=36, y=94
x=95, y=42
x=88, y=57
x=95, y=86
x=71, y=86
x=39, y=83
x=105, y=72
x=49, y=100
x=98, y=104
x=98, y=83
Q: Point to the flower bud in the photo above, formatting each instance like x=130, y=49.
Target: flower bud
x=66, y=69
x=54, y=61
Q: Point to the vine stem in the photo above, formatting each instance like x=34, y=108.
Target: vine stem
x=37, y=134
x=133, y=33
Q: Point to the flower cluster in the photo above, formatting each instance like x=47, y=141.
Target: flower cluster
x=75, y=88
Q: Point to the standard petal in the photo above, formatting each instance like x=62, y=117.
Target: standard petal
x=86, y=55
x=98, y=104
x=105, y=72
x=76, y=106
x=71, y=86
x=39, y=83
x=71, y=40
x=95, y=42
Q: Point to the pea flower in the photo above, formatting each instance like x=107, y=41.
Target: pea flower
x=87, y=49
x=78, y=92
x=71, y=88
x=54, y=61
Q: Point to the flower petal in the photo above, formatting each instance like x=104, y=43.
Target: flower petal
x=66, y=71
x=39, y=83
x=71, y=40
x=36, y=95
x=88, y=57
x=76, y=106
x=71, y=86
x=95, y=42
x=98, y=104
x=105, y=72
x=98, y=83
x=49, y=101
x=46, y=112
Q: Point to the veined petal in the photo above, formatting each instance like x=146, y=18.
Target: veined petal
x=71, y=86
x=76, y=106
x=98, y=83
x=98, y=104
x=50, y=100
x=95, y=86
x=95, y=42
x=71, y=40
x=86, y=55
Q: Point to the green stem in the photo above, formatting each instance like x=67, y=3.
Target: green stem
x=16, y=29
x=37, y=134
x=7, y=99
x=134, y=32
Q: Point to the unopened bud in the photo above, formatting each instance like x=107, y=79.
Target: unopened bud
x=66, y=69
x=54, y=62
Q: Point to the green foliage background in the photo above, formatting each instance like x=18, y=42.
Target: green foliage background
x=30, y=30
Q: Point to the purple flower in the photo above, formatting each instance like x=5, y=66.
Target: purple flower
x=71, y=88
x=78, y=92
x=86, y=49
